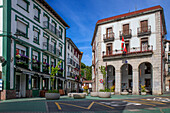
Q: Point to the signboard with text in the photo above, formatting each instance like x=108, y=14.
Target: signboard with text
x=0, y=84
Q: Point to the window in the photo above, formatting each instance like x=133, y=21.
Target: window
x=22, y=52
x=35, y=57
x=169, y=69
x=168, y=57
x=60, y=53
x=68, y=46
x=46, y=21
x=36, y=14
x=127, y=46
x=61, y=32
x=24, y=4
x=144, y=26
x=45, y=83
x=109, y=32
x=22, y=29
x=35, y=82
x=36, y=35
x=109, y=49
x=126, y=29
x=144, y=44
x=71, y=49
x=44, y=60
x=52, y=64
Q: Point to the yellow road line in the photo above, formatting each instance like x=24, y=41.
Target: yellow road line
x=151, y=101
x=104, y=105
x=90, y=105
x=74, y=105
x=58, y=105
x=140, y=102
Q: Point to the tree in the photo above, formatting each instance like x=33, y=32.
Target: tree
x=54, y=71
x=103, y=71
x=88, y=70
x=83, y=66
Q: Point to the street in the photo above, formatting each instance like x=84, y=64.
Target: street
x=147, y=104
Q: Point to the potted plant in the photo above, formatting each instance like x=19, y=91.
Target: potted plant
x=112, y=89
x=86, y=89
x=53, y=94
x=143, y=90
x=104, y=93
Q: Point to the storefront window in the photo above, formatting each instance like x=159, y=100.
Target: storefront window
x=45, y=83
x=35, y=82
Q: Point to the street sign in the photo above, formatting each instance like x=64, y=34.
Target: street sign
x=0, y=84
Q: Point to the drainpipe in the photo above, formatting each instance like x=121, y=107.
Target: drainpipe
x=161, y=54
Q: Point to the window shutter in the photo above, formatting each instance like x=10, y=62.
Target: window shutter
x=21, y=26
x=23, y=4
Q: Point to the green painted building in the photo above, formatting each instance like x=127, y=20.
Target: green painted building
x=32, y=40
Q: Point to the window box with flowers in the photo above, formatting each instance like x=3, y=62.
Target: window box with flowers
x=22, y=60
x=35, y=65
x=45, y=67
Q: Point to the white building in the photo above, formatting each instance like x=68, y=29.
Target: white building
x=143, y=64
x=167, y=66
x=73, y=66
x=32, y=40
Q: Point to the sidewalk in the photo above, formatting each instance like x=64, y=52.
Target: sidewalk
x=66, y=98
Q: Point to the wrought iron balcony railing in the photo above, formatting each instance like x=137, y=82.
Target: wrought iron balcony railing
x=126, y=34
x=136, y=51
x=108, y=37
x=142, y=31
x=35, y=65
x=51, y=49
x=52, y=29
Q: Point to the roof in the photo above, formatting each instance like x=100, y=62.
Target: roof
x=69, y=39
x=129, y=15
x=87, y=81
x=46, y=5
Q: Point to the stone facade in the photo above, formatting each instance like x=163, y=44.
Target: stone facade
x=155, y=59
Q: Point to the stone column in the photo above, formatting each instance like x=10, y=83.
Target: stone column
x=135, y=82
x=117, y=82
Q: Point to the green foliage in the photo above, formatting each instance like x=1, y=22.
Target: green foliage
x=143, y=88
x=52, y=91
x=103, y=71
x=104, y=90
x=112, y=88
x=54, y=71
x=83, y=66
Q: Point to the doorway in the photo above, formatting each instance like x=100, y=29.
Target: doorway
x=20, y=86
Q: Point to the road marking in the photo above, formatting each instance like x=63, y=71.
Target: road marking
x=140, y=102
x=104, y=105
x=151, y=101
x=74, y=105
x=58, y=105
x=90, y=105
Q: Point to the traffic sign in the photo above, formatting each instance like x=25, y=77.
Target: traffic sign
x=0, y=84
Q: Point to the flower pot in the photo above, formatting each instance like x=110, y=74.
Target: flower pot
x=52, y=96
x=143, y=93
x=104, y=94
x=94, y=94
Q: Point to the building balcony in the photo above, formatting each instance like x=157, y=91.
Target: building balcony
x=36, y=65
x=70, y=75
x=108, y=37
x=133, y=52
x=93, y=62
x=127, y=34
x=48, y=48
x=143, y=31
x=22, y=61
x=93, y=48
x=51, y=29
x=60, y=73
x=45, y=68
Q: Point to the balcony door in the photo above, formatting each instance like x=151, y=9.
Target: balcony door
x=109, y=49
x=144, y=44
x=144, y=26
x=126, y=29
x=109, y=32
x=127, y=46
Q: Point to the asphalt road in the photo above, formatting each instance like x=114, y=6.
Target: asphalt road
x=104, y=106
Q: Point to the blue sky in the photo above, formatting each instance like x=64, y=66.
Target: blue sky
x=82, y=15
